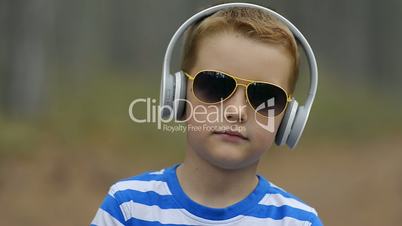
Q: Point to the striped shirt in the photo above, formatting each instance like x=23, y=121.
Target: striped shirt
x=156, y=199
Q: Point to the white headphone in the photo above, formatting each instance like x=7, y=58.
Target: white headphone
x=173, y=86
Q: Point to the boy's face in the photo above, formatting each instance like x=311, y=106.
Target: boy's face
x=247, y=59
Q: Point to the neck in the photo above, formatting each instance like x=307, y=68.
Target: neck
x=212, y=186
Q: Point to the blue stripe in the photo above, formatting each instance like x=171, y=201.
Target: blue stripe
x=111, y=206
x=149, y=198
x=134, y=221
x=278, y=213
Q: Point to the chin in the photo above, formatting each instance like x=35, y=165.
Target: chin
x=228, y=159
x=231, y=165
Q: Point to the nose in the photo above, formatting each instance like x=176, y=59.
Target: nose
x=235, y=106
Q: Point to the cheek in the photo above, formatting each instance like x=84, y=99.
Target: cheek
x=262, y=138
x=198, y=128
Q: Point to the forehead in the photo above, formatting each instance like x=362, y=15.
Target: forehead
x=244, y=57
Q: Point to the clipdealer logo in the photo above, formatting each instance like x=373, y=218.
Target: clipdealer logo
x=207, y=115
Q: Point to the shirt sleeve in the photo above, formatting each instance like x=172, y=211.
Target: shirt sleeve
x=109, y=213
x=316, y=221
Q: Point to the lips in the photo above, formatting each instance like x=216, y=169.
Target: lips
x=230, y=133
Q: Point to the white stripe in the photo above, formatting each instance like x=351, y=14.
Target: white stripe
x=154, y=213
x=280, y=200
x=254, y=221
x=182, y=216
x=103, y=218
x=274, y=186
x=159, y=187
x=158, y=172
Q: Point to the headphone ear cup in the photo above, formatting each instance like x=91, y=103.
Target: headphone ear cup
x=287, y=122
x=166, y=98
x=298, y=127
x=179, y=102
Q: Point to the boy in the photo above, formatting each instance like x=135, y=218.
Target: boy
x=231, y=55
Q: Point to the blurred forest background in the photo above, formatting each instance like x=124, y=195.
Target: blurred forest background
x=69, y=70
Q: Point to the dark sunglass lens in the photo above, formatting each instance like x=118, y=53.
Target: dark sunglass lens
x=212, y=87
x=266, y=98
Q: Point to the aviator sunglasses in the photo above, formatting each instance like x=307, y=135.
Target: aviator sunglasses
x=211, y=87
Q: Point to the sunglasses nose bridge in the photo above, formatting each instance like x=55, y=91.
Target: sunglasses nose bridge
x=241, y=84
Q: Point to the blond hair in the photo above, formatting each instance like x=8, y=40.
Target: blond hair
x=249, y=22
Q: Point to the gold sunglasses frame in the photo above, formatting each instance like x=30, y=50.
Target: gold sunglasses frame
x=237, y=79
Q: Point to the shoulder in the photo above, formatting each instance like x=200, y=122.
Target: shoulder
x=287, y=205
x=150, y=181
x=130, y=193
x=279, y=196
